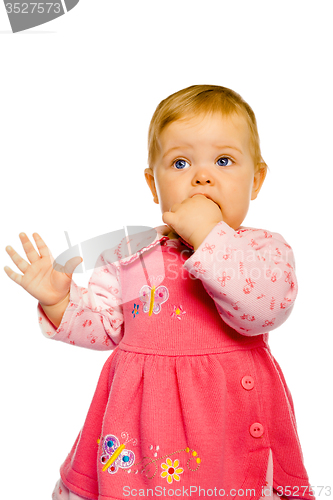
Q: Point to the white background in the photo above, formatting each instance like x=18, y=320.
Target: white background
x=77, y=95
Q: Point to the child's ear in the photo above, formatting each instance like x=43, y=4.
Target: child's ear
x=258, y=180
x=149, y=175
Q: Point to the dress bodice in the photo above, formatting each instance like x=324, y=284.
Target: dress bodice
x=171, y=312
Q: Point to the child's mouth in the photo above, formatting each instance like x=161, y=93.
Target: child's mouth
x=208, y=197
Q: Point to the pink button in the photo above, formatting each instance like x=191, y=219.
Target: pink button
x=247, y=382
x=256, y=430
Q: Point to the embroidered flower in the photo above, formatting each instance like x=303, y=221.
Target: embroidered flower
x=198, y=267
x=247, y=288
x=135, y=310
x=273, y=278
x=269, y=323
x=106, y=340
x=228, y=255
x=92, y=337
x=171, y=470
x=288, y=278
x=210, y=248
x=222, y=279
x=178, y=312
x=253, y=243
x=248, y=317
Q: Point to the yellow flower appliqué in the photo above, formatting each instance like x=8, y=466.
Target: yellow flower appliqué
x=171, y=470
x=177, y=312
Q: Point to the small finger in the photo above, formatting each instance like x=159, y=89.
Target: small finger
x=175, y=207
x=29, y=249
x=43, y=249
x=17, y=259
x=168, y=218
x=13, y=276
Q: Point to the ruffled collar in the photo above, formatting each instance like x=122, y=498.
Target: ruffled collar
x=145, y=241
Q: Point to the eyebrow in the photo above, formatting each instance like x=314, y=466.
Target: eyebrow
x=189, y=147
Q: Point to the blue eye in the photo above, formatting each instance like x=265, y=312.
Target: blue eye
x=223, y=161
x=180, y=164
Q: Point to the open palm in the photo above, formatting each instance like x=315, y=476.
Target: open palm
x=44, y=279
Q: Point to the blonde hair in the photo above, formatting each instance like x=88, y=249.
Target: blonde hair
x=202, y=99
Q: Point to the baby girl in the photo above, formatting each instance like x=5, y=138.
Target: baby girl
x=191, y=401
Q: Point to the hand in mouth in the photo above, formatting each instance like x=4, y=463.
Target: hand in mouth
x=208, y=197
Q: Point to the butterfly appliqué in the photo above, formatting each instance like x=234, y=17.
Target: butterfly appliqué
x=153, y=298
x=115, y=455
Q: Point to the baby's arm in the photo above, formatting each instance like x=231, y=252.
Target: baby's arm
x=92, y=317
x=249, y=274
x=87, y=317
x=56, y=312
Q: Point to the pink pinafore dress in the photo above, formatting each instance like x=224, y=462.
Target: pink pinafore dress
x=184, y=402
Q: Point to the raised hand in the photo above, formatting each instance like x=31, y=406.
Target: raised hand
x=49, y=283
x=193, y=218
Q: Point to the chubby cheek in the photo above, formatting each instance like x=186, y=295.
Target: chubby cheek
x=168, y=195
x=234, y=216
x=166, y=199
x=235, y=205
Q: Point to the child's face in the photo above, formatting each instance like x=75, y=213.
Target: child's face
x=210, y=155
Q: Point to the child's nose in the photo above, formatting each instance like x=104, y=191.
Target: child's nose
x=203, y=176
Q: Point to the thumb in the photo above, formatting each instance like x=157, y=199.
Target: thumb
x=168, y=218
x=71, y=264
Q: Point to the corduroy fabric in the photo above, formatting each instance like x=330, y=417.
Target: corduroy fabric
x=173, y=387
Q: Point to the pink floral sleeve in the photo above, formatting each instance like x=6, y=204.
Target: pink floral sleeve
x=93, y=318
x=250, y=274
